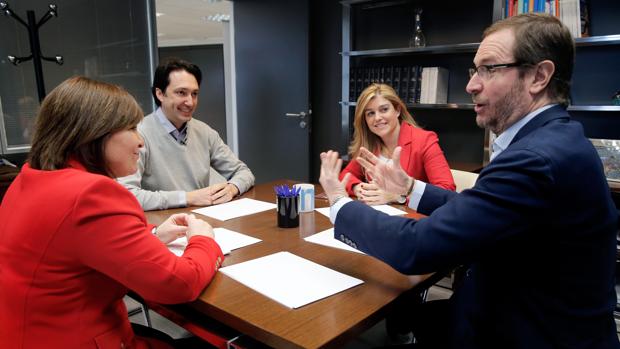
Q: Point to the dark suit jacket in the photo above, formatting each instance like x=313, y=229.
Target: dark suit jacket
x=538, y=231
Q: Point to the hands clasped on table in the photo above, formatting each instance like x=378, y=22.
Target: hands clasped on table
x=212, y=195
x=183, y=224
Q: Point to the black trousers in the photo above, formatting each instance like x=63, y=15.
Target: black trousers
x=430, y=322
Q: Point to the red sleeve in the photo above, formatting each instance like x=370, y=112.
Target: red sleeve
x=435, y=164
x=112, y=237
x=355, y=169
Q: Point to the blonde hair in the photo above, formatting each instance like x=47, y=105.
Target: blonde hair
x=75, y=119
x=362, y=136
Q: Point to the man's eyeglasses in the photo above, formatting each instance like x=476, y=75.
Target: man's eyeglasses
x=485, y=71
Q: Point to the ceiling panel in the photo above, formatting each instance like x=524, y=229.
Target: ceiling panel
x=185, y=22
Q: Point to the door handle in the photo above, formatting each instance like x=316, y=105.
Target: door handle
x=305, y=118
x=300, y=115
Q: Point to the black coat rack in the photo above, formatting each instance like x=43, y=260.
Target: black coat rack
x=35, y=45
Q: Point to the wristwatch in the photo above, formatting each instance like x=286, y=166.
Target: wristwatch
x=403, y=198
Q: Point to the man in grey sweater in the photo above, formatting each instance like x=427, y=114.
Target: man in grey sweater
x=179, y=151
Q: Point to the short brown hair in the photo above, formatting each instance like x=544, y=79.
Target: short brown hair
x=541, y=37
x=362, y=136
x=75, y=119
x=161, y=78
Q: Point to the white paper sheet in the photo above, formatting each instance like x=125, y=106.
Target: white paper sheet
x=227, y=239
x=289, y=279
x=392, y=211
x=383, y=208
x=235, y=208
x=323, y=210
x=326, y=238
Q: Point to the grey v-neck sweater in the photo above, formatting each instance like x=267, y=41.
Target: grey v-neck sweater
x=168, y=169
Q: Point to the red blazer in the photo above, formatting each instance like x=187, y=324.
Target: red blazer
x=421, y=158
x=71, y=244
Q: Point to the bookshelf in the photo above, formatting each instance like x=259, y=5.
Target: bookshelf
x=376, y=34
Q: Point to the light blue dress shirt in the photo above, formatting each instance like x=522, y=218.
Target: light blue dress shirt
x=179, y=135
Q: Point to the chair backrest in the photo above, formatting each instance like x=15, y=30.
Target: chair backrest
x=463, y=179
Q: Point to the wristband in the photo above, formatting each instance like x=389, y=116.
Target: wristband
x=410, y=189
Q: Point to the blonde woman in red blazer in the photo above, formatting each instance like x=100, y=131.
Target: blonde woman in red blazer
x=382, y=122
x=73, y=241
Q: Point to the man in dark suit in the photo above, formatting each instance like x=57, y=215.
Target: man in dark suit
x=537, y=231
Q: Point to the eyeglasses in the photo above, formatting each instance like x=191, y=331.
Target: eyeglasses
x=485, y=71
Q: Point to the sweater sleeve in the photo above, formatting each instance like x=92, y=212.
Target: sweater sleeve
x=151, y=200
x=435, y=165
x=226, y=163
x=112, y=237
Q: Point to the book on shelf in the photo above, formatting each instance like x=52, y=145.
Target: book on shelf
x=389, y=75
x=414, y=79
x=584, y=18
x=434, y=85
x=405, y=80
x=367, y=72
x=418, y=87
x=352, y=82
x=573, y=13
x=404, y=83
x=396, y=80
x=359, y=84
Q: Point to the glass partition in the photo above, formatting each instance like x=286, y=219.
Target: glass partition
x=108, y=40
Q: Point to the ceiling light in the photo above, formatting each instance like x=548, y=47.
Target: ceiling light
x=159, y=14
x=218, y=17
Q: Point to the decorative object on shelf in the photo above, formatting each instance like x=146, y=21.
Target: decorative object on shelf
x=615, y=99
x=418, y=39
x=609, y=152
x=35, y=46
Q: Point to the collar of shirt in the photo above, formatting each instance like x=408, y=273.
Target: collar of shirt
x=503, y=140
x=179, y=135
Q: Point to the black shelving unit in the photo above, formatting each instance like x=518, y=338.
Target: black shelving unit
x=377, y=32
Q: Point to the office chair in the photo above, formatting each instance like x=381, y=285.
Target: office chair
x=142, y=308
x=463, y=179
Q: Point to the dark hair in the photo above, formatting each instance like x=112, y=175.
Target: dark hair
x=541, y=37
x=75, y=119
x=161, y=80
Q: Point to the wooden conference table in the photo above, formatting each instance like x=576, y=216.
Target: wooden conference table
x=329, y=322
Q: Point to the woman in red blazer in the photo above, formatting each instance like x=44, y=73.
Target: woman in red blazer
x=382, y=122
x=73, y=240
